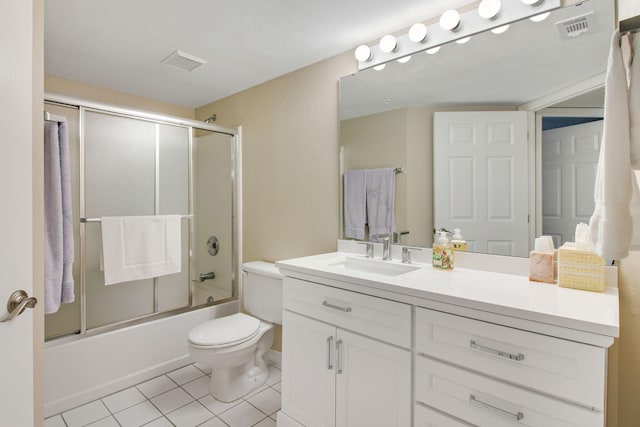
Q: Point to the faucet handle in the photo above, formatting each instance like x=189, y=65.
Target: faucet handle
x=369, y=248
x=406, y=253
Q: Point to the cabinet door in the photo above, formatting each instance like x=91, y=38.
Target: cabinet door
x=308, y=370
x=373, y=383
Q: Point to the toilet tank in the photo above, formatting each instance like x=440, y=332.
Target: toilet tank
x=263, y=290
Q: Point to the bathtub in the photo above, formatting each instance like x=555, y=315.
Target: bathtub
x=79, y=370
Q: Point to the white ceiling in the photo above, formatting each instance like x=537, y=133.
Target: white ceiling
x=118, y=44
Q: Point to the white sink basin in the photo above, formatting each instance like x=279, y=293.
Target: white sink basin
x=368, y=265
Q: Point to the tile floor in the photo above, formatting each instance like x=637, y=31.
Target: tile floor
x=179, y=398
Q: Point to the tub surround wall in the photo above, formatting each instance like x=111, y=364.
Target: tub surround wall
x=79, y=371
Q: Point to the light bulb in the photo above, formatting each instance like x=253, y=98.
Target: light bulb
x=379, y=67
x=450, y=20
x=463, y=40
x=541, y=17
x=388, y=43
x=404, y=59
x=489, y=9
x=500, y=30
x=363, y=53
x=433, y=50
x=418, y=33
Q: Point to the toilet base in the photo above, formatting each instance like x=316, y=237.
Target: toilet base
x=228, y=385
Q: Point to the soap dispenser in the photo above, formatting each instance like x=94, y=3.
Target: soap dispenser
x=459, y=244
x=443, y=253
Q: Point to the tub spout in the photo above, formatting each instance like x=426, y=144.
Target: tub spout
x=207, y=276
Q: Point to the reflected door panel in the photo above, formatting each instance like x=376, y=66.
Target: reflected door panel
x=481, y=179
x=569, y=164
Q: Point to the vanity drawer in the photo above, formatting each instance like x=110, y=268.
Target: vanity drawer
x=427, y=417
x=386, y=320
x=483, y=401
x=558, y=367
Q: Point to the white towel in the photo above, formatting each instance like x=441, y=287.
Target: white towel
x=612, y=224
x=381, y=189
x=634, y=101
x=355, y=214
x=140, y=247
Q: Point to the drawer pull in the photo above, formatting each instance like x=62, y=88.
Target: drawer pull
x=336, y=307
x=517, y=357
x=338, y=361
x=329, y=365
x=476, y=402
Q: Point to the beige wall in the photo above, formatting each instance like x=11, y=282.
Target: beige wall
x=56, y=85
x=290, y=160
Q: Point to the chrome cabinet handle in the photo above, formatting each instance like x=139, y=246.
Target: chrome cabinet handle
x=336, y=307
x=338, y=358
x=518, y=416
x=517, y=357
x=329, y=365
x=18, y=301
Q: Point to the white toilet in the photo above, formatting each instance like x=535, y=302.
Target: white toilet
x=235, y=346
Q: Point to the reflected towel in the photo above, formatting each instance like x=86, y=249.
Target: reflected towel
x=612, y=224
x=59, y=250
x=140, y=247
x=381, y=188
x=355, y=214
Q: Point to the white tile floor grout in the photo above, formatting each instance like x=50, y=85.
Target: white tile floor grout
x=179, y=398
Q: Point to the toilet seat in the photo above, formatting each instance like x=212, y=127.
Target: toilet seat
x=225, y=331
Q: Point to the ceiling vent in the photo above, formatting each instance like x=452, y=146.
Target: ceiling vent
x=183, y=61
x=574, y=27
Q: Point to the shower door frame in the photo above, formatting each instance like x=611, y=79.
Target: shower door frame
x=236, y=142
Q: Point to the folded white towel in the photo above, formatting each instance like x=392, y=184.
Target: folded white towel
x=612, y=225
x=140, y=247
x=381, y=190
x=355, y=215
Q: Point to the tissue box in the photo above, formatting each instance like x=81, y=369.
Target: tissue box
x=580, y=269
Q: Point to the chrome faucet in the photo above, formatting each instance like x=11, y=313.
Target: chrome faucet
x=386, y=246
x=369, y=248
x=406, y=253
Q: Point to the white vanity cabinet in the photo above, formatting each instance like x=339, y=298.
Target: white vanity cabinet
x=427, y=348
x=343, y=364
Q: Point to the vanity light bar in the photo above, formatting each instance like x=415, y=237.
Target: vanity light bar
x=470, y=23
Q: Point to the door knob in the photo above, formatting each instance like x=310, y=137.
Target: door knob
x=18, y=301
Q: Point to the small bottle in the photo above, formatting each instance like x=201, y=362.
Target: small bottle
x=459, y=244
x=443, y=253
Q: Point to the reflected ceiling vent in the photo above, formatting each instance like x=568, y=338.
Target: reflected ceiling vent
x=574, y=27
x=183, y=61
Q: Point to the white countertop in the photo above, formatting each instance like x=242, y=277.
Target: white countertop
x=504, y=294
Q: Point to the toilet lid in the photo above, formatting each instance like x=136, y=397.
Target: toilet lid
x=224, y=331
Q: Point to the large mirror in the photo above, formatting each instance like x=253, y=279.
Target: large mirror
x=550, y=72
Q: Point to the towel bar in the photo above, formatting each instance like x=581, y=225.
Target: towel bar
x=85, y=220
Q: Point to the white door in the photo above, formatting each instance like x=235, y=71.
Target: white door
x=481, y=179
x=373, y=383
x=16, y=272
x=308, y=377
x=569, y=164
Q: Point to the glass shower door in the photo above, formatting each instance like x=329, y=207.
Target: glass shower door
x=132, y=167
